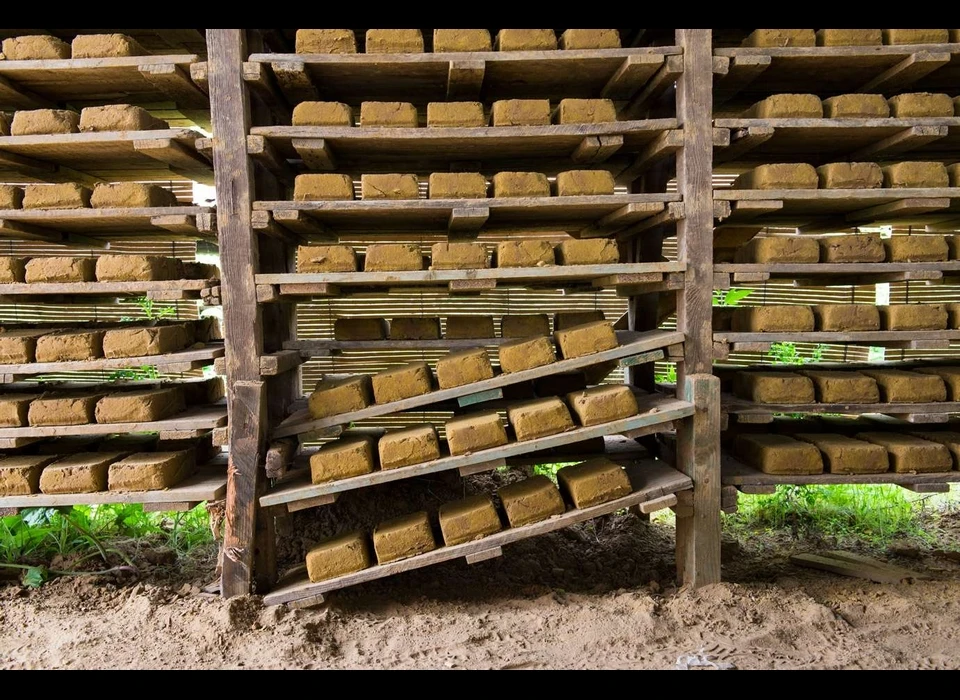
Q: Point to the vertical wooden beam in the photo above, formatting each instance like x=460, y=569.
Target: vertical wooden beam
x=698, y=437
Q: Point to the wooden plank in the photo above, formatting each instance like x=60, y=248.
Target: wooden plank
x=263, y=223
x=848, y=568
x=29, y=232
x=906, y=140
x=906, y=73
x=736, y=473
x=467, y=220
x=484, y=555
x=743, y=141
x=205, y=355
x=674, y=212
x=279, y=362
x=20, y=97
x=631, y=75
x=40, y=223
x=280, y=454
x=101, y=288
x=465, y=79
x=659, y=83
x=196, y=417
x=308, y=289
x=836, y=337
x=868, y=272
x=294, y=81
x=741, y=71
x=615, y=222
x=173, y=81
x=263, y=152
x=652, y=506
x=179, y=506
x=667, y=143
x=482, y=467
x=312, y=503
x=731, y=404
x=596, y=149
x=261, y=82
x=900, y=208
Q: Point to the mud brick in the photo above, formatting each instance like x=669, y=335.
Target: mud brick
x=921, y=104
x=105, y=46
x=795, y=106
x=60, y=269
x=193, y=270
x=461, y=114
x=20, y=474
x=593, y=482
x=913, y=317
x=900, y=386
x=524, y=326
x=585, y=111
x=580, y=39
x=62, y=408
x=846, y=455
x=461, y=40
x=920, y=248
x=403, y=537
x=459, y=256
x=779, y=454
x=568, y=319
x=414, y=445
x=13, y=409
x=909, y=454
x=520, y=113
x=953, y=314
x=394, y=41
x=468, y=519
x=526, y=40
x=469, y=327
x=778, y=249
x=916, y=36
x=947, y=438
x=11, y=197
x=45, y=121
x=846, y=317
x=414, y=328
x=774, y=387
x=778, y=176
x=457, y=186
x=70, y=346
x=916, y=174
x=413, y=379
x=322, y=114
x=325, y=41
x=525, y=252
x=332, y=397
x=587, y=339
x=463, y=367
x=772, y=319
x=119, y=118
x=950, y=377
x=342, y=459
x=392, y=257
x=515, y=184
x=131, y=194
x=326, y=258
x=35, y=47
x=843, y=387
x=856, y=106
x=338, y=556
x=141, y=342
x=63, y=195
x=389, y=186
x=849, y=37
x=526, y=354
x=19, y=347
x=388, y=114
x=852, y=248
x=603, y=404
x=573, y=183
x=531, y=500
x=134, y=268
x=140, y=406
x=85, y=472
x=850, y=176
x=539, y=418
x=360, y=329
x=588, y=251
x=781, y=37
x=150, y=471
x=475, y=432
x=313, y=187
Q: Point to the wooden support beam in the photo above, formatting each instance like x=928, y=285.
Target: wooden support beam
x=907, y=72
x=200, y=76
x=174, y=82
x=301, y=223
x=317, y=154
x=471, y=286
x=656, y=504
x=750, y=208
x=900, y=208
x=625, y=82
x=906, y=140
x=674, y=212
x=20, y=98
x=323, y=500
x=279, y=362
x=743, y=141
x=31, y=167
x=182, y=224
x=467, y=221
x=29, y=232
x=621, y=218
x=280, y=454
x=741, y=71
x=261, y=82
x=465, y=79
x=486, y=554
x=596, y=149
x=661, y=81
x=261, y=150
x=264, y=224
x=294, y=81
x=177, y=157
x=662, y=146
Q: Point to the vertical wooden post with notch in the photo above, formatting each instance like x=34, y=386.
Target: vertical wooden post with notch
x=698, y=437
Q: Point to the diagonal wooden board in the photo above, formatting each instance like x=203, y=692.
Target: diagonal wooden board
x=855, y=565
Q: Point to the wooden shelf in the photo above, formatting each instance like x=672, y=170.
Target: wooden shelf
x=158, y=154
x=167, y=290
x=632, y=345
x=490, y=75
x=194, y=418
x=725, y=342
x=826, y=274
x=182, y=361
x=650, y=480
x=935, y=412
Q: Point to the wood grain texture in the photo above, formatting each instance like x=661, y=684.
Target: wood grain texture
x=203, y=356
x=736, y=473
x=195, y=418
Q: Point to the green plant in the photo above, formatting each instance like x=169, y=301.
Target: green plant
x=151, y=310
x=144, y=372
x=550, y=470
x=788, y=354
x=730, y=297
x=668, y=377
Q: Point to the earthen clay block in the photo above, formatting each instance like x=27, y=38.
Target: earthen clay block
x=781, y=37
x=772, y=319
x=414, y=328
x=850, y=176
x=35, y=47
x=572, y=183
x=331, y=397
x=389, y=114
x=526, y=40
x=192, y=270
x=469, y=327
x=13, y=409
x=461, y=114
x=134, y=268
x=140, y=342
x=104, y=46
x=849, y=37
x=916, y=36
x=60, y=269
x=843, y=387
x=60, y=408
x=360, y=329
x=916, y=174
x=118, y=118
x=953, y=172
x=580, y=39
x=459, y=256
x=413, y=379
x=580, y=111
x=921, y=104
x=70, y=346
x=338, y=556
x=778, y=249
x=140, y=406
x=846, y=317
x=126, y=195
x=846, y=455
x=44, y=121
x=539, y=418
x=392, y=257
x=953, y=315
x=852, y=248
x=326, y=258
x=403, y=537
x=531, y=500
x=479, y=431
x=322, y=114
x=460, y=40
x=920, y=248
x=947, y=438
x=389, y=186
x=526, y=354
x=11, y=197
x=602, y=404
x=394, y=41
x=63, y=195
x=524, y=326
x=12, y=270
x=899, y=386
x=415, y=445
x=856, y=106
x=85, y=472
x=19, y=347
x=520, y=113
x=568, y=319
x=802, y=106
x=778, y=176
x=342, y=459
x=20, y=474
x=950, y=377
x=593, y=482
x=468, y=519
x=326, y=41
x=514, y=184
x=457, y=186
x=588, y=251
x=913, y=317
x=909, y=454
x=313, y=187
x=778, y=454
x=463, y=367
x=586, y=339
x=525, y=252
x=150, y=471
x=774, y=387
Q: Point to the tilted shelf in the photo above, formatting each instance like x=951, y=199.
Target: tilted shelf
x=182, y=361
x=727, y=274
x=932, y=412
x=166, y=290
x=725, y=342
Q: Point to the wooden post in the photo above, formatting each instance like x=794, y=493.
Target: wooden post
x=698, y=437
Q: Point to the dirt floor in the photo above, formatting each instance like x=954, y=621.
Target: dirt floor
x=598, y=595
